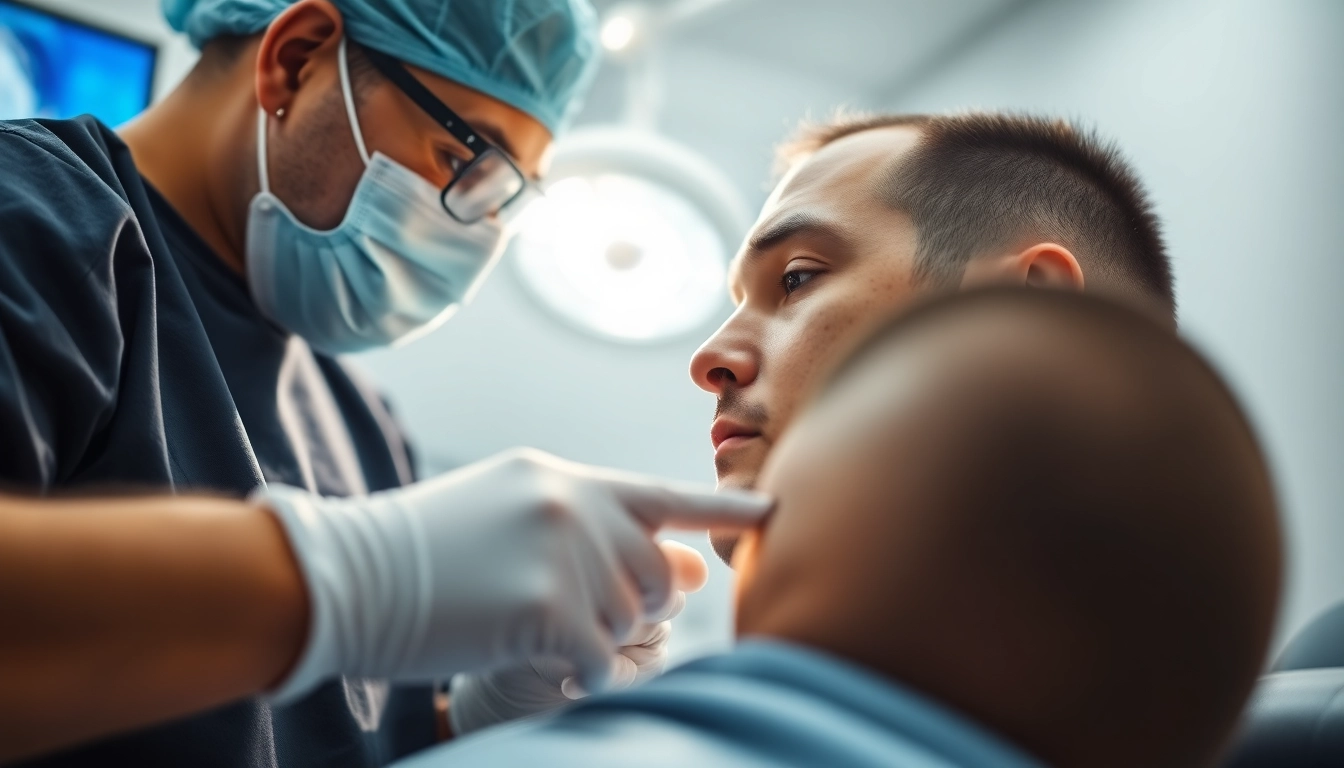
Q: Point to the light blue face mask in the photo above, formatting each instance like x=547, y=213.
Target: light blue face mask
x=396, y=267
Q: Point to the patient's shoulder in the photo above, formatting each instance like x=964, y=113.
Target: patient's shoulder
x=761, y=706
x=600, y=738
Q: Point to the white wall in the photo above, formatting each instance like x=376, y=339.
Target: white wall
x=1232, y=112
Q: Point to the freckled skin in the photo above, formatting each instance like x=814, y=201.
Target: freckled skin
x=776, y=345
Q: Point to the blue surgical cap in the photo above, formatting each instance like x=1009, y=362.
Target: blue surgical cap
x=537, y=55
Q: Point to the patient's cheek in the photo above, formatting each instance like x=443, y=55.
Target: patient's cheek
x=744, y=561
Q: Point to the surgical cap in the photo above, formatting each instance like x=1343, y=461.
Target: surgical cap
x=537, y=55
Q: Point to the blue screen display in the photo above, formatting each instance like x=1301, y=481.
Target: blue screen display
x=54, y=67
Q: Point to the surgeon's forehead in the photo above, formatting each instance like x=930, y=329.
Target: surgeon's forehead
x=839, y=182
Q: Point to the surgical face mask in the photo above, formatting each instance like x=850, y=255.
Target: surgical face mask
x=397, y=266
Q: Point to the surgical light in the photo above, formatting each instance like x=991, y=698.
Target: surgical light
x=632, y=241
x=617, y=32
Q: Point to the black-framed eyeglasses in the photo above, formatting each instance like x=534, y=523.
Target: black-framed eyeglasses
x=485, y=184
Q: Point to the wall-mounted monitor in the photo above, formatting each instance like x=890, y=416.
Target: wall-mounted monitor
x=55, y=66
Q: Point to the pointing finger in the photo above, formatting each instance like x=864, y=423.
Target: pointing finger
x=688, y=508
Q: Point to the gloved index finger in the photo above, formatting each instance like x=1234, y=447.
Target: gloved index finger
x=667, y=505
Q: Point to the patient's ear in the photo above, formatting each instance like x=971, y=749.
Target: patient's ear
x=1044, y=265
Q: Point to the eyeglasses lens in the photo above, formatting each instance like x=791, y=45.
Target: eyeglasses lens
x=485, y=187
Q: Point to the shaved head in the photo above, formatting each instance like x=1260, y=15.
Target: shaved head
x=1040, y=508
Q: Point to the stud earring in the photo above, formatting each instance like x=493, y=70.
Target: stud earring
x=280, y=113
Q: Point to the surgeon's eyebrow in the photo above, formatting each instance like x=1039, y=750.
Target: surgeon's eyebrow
x=801, y=223
x=495, y=135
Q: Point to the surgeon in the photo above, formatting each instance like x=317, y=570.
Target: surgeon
x=332, y=176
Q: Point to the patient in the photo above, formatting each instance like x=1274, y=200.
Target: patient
x=1015, y=529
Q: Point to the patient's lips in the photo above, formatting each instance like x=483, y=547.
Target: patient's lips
x=727, y=434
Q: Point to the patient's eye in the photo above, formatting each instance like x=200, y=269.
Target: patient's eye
x=795, y=279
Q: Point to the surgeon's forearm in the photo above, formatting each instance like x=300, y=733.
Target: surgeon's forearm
x=118, y=613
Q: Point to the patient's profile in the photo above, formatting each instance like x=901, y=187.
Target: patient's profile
x=1016, y=528
x=1041, y=510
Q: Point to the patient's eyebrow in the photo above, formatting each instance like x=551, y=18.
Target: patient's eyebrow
x=776, y=232
x=793, y=225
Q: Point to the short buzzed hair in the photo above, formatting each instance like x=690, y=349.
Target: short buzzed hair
x=976, y=181
x=1092, y=474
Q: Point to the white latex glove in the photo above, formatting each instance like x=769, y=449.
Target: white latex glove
x=541, y=685
x=520, y=556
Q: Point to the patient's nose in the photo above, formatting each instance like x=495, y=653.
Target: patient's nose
x=726, y=360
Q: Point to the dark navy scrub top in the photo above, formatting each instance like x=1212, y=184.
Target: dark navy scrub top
x=132, y=356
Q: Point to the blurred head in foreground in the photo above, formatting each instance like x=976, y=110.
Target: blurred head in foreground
x=1039, y=508
x=874, y=211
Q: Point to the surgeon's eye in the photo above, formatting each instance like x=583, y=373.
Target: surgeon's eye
x=795, y=279
x=454, y=163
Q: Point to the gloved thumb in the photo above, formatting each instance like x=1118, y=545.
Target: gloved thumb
x=593, y=658
x=689, y=571
x=624, y=674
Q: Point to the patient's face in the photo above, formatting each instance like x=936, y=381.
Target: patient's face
x=826, y=260
x=858, y=482
x=831, y=478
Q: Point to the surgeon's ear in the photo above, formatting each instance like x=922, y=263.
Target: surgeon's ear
x=307, y=31
x=1044, y=265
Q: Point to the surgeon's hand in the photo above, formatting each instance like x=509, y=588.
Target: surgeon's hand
x=521, y=556
x=541, y=685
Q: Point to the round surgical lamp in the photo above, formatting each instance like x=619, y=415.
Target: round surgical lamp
x=632, y=241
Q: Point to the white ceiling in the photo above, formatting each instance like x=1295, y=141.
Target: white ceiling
x=737, y=75
x=866, y=45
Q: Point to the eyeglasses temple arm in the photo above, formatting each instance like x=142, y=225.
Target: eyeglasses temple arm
x=404, y=80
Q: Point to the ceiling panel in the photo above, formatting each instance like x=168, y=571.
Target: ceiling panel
x=865, y=45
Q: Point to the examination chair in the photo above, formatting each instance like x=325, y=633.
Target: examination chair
x=1296, y=717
